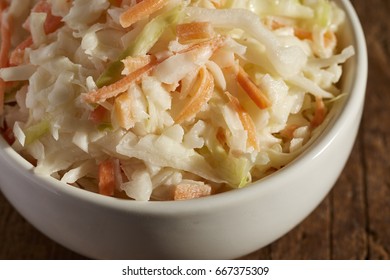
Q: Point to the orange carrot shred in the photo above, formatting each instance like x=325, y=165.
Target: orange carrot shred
x=123, y=84
x=320, y=113
x=190, y=191
x=257, y=96
x=218, y=4
x=5, y=32
x=187, y=32
x=140, y=11
x=133, y=63
x=298, y=32
x=246, y=120
x=213, y=43
x=2, y=93
x=52, y=23
x=303, y=34
x=5, y=40
x=116, y=3
x=330, y=39
x=99, y=114
x=120, y=86
x=16, y=56
x=200, y=95
x=107, y=178
x=123, y=110
x=274, y=24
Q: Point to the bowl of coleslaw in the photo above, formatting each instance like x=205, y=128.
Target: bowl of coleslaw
x=176, y=129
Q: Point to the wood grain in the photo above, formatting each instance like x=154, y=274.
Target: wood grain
x=356, y=214
x=353, y=221
x=376, y=127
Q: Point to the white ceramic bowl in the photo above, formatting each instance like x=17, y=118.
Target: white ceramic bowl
x=223, y=226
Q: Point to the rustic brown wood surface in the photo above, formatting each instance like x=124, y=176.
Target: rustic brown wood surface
x=353, y=221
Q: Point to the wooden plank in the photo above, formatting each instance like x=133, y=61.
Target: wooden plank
x=374, y=16
x=377, y=150
x=378, y=195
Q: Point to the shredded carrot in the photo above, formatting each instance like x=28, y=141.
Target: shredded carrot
x=17, y=55
x=3, y=6
x=246, y=120
x=52, y=23
x=187, y=32
x=253, y=91
x=5, y=40
x=218, y=4
x=273, y=24
x=140, y=11
x=2, y=93
x=123, y=84
x=213, y=43
x=107, y=177
x=303, y=34
x=298, y=32
x=5, y=32
x=319, y=114
x=99, y=114
x=133, y=63
x=190, y=191
x=120, y=86
x=200, y=94
x=123, y=111
x=330, y=39
x=116, y=3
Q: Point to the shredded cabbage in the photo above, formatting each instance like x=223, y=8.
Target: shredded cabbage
x=195, y=98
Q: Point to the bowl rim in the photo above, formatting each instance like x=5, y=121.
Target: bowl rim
x=350, y=106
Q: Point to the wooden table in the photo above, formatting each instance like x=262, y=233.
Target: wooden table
x=353, y=221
